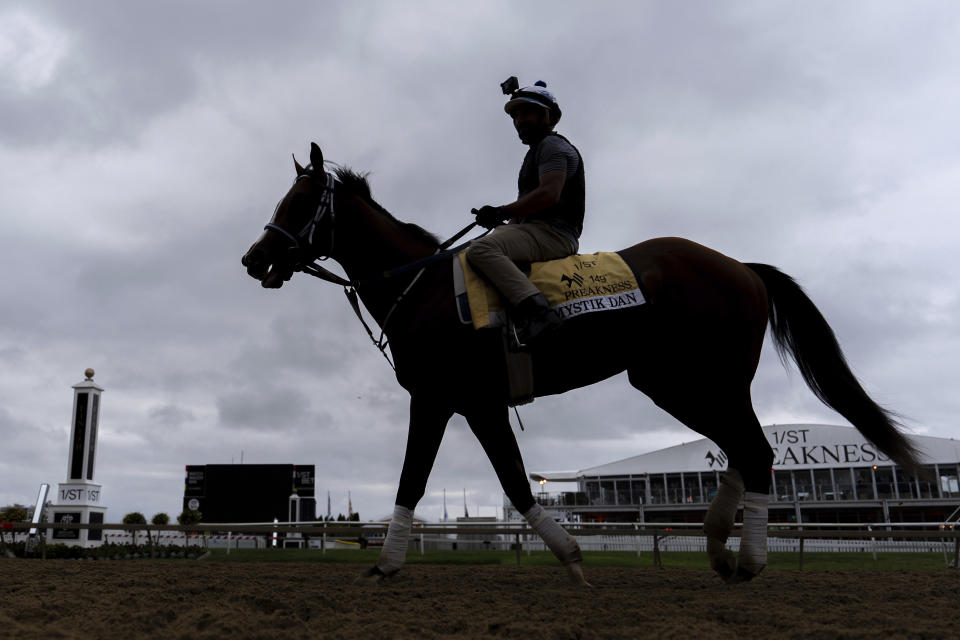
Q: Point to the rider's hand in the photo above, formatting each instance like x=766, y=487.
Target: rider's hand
x=490, y=217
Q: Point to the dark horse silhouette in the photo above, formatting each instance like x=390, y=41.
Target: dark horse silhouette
x=693, y=349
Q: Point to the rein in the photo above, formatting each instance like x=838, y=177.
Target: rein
x=350, y=286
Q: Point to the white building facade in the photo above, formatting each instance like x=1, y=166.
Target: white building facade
x=821, y=473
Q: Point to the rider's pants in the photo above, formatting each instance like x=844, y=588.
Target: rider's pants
x=493, y=255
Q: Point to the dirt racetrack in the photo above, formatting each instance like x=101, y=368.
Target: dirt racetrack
x=194, y=599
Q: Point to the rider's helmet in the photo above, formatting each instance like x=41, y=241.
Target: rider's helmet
x=538, y=95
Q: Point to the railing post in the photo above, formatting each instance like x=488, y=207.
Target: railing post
x=657, y=562
x=229, y=538
x=518, y=548
x=956, y=553
x=801, y=552
x=636, y=537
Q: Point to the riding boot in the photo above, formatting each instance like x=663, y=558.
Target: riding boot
x=534, y=319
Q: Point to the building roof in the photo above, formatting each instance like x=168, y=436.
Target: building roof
x=795, y=446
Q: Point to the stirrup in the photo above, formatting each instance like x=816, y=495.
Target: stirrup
x=514, y=343
x=522, y=335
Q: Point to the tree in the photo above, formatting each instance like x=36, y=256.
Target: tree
x=15, y=513
x=134, y=517
x=189, y=516
x=159, y=519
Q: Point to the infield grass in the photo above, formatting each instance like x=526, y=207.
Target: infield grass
x=811, y=560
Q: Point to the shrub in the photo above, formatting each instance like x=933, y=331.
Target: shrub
x=189, y=516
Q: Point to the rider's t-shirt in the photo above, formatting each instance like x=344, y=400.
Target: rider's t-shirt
x=556, y=154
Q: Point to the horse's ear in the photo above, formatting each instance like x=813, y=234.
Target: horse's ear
x=316, y=157
x=300, y=170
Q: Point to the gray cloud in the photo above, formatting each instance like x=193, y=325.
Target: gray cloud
x=142, y=149
x=169, y=414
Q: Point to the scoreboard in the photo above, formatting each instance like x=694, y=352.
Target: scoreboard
x=249, y=492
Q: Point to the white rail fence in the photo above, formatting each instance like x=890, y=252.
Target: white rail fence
x=919, y=537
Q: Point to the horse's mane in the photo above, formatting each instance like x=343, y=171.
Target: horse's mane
x=356, y=183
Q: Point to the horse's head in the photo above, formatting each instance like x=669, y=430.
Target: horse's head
x=301, y=229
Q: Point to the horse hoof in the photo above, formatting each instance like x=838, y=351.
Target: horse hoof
x=371, y=576
x=725, y=564
x=741, y=575
x=575, y=571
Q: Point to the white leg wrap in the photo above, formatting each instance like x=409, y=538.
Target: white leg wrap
x=394, y=551
x=753, y=543
x=563, y=545
x=723, y=508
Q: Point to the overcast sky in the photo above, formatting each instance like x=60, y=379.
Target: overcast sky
x=144, y=145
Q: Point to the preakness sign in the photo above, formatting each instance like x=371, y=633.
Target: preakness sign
x=795, y=446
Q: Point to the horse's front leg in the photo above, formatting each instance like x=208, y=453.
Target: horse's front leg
x=428, y=420
x=492, y=428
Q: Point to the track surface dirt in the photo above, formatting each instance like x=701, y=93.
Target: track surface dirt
x=173, y=599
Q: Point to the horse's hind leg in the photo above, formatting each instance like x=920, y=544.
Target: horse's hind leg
x=747, y=475
x=718, y=523
x=725, y=415
x=752, y=456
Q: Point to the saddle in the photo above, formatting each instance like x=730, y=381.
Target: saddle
x=574, y=286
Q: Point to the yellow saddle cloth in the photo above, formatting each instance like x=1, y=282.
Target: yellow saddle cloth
x=573, y=286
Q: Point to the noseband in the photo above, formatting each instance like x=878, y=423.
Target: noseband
x=302, y=242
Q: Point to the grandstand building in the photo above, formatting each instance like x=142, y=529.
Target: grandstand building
x=821, y=473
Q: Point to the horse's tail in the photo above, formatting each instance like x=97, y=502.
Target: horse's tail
x=800, y=330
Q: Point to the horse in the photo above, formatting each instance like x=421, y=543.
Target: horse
x=693, y=348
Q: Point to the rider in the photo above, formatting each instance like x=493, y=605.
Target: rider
x=546, y=219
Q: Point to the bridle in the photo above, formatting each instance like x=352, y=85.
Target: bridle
x=304, y=257
x=302, y=247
